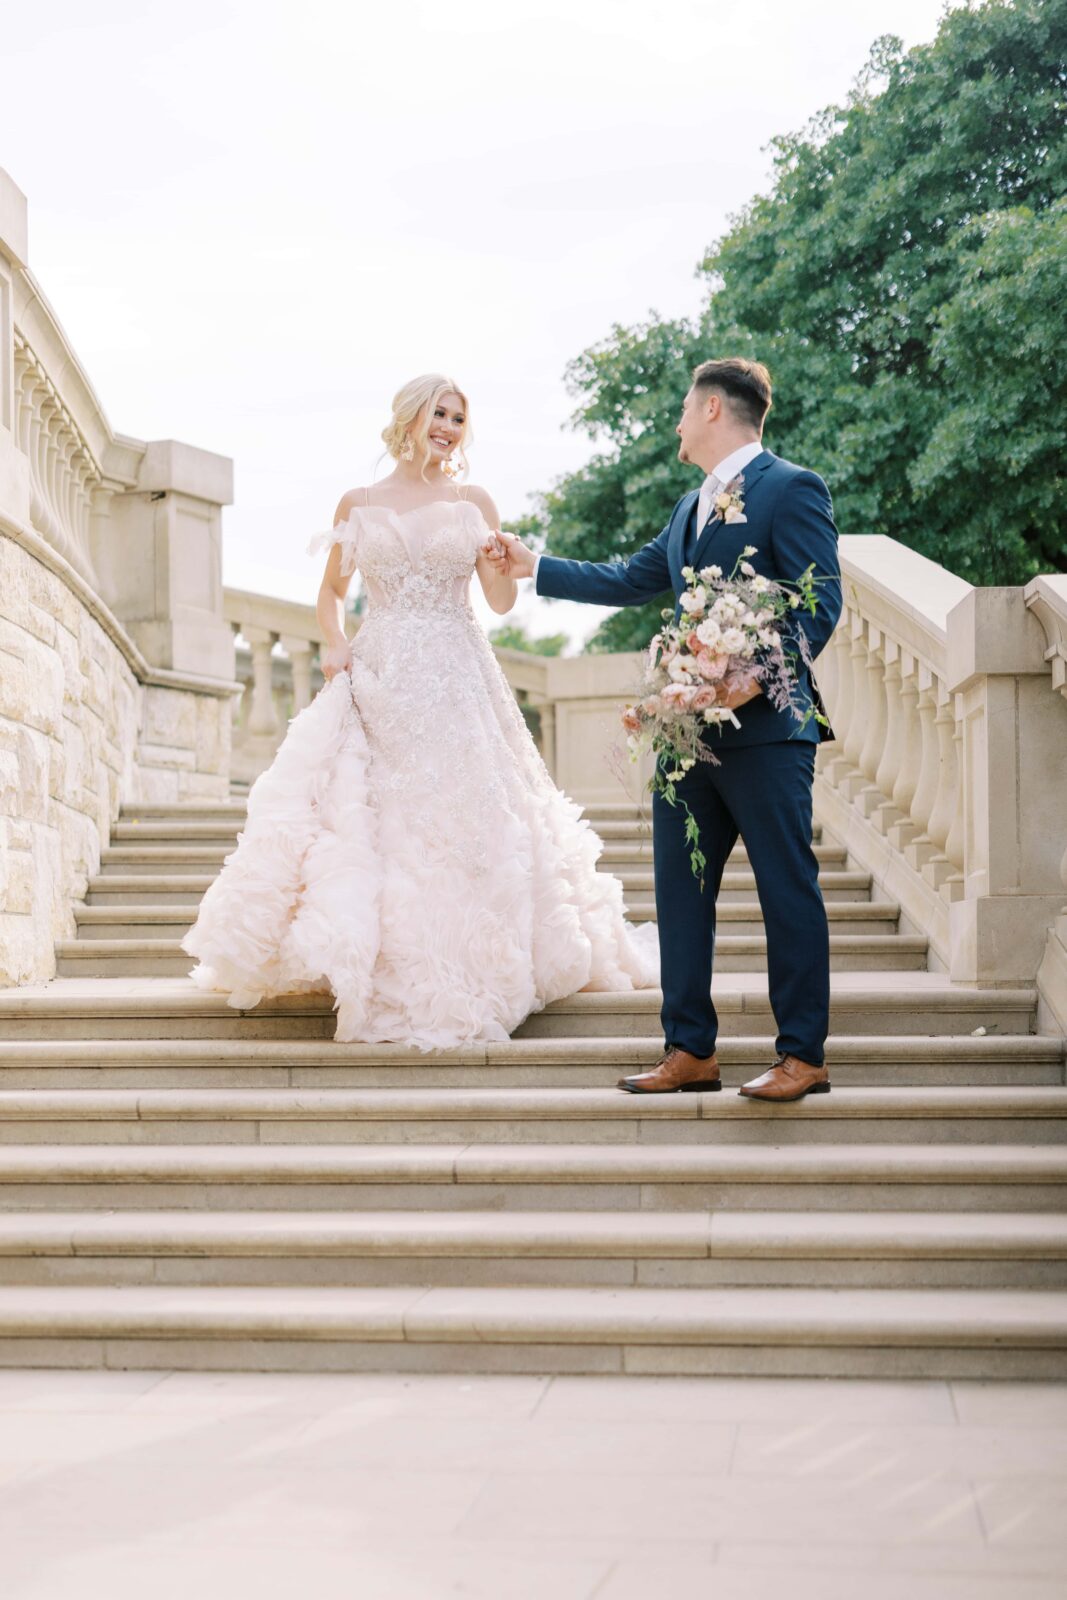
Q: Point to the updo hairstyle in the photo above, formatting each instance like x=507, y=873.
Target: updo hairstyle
x=413, y=409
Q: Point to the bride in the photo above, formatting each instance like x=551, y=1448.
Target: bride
x=407, y=850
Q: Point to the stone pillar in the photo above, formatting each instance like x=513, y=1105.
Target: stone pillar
x=1013, y=757
x=263, y=716
x=158, y=559
x=300, y=652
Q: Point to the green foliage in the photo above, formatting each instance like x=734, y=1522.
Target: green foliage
x=513, y=636
x=904, y=281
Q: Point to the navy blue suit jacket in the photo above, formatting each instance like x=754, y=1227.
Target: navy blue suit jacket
x=790, y=522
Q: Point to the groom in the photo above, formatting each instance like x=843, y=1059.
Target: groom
x=761, y=788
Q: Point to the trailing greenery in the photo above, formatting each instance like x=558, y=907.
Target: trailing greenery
x=904, y=279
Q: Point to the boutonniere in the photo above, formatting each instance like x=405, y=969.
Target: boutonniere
x=729, y=503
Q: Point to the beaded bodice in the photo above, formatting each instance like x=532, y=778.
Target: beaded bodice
x=416, y=563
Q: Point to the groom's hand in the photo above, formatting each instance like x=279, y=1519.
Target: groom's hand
x=738, y=697
x=510, y=557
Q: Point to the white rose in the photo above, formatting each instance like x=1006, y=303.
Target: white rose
x=733, y=640
x=709, y=633
x=677, y=670
x=694, y=600
x=747, y=569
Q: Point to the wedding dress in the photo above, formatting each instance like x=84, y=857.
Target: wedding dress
x=407, y=850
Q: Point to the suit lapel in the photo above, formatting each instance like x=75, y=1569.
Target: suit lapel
x=751, y=476
x=676, y=539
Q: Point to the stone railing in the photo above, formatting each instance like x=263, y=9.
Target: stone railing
x=950, y=761
x=1047, y=599
x=571, y=704
x=277, y=646
x=116, y=665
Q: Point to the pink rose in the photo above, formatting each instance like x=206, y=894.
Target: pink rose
x=703, y=698
x=631, y=720
x=678, y=696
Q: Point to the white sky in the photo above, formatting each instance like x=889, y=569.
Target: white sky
x=256, y=220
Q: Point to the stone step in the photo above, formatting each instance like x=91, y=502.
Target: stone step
x=689, y=1249
x=626, y=827
x=740, y=886
x=237, y=809
x=542, y=1177
x=155, y=888
x=163, y=957
x=861, y=1003
x=156, y=811
x=898, y=1063
x=925, y=1333
x=224, y=1115
x=150, y=888
x=744, y=918
x=170, y=859
x=616, y=856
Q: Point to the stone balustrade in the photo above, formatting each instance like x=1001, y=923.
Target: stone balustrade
x=277, y=645
x=116, y=664
x=948, y=775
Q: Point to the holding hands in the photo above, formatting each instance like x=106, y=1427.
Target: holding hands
x=509, y=556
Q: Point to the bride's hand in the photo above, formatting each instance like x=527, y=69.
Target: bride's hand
x=510, y=557
x=336, y=658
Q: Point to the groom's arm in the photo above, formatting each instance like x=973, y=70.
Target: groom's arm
x=803, y=533
x=607, y=583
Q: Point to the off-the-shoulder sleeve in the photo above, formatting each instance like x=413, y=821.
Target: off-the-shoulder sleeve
x=346, y=534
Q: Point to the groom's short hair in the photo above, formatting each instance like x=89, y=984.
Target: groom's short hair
x=746, y=385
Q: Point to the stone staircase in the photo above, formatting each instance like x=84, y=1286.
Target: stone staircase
x=184, y=1185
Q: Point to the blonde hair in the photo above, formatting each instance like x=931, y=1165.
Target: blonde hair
x=413, y=409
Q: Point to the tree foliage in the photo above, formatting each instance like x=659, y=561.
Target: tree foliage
x=904, y=278
x=513, y=636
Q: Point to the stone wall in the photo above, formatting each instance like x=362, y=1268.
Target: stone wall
x=79, y=734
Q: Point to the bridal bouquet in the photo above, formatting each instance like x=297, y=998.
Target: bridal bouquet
x=727, y=638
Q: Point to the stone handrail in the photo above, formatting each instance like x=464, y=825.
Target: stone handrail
x=937, y=693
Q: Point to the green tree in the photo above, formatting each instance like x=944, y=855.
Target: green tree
x=904, y=280
x=513, y=636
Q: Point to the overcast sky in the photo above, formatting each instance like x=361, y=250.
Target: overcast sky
x=256, y=220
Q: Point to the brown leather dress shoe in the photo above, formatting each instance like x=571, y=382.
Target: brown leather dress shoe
x=789, y=1079
x=676, y=1072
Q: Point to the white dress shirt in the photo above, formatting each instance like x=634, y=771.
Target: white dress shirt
x=728, y=469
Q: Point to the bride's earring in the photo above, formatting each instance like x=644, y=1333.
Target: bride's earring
x=408, y=451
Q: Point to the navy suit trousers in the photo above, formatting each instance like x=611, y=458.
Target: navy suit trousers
x=762, y=793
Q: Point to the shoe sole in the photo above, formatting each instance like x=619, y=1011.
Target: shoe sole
x=702, y=1086
x=785, y=1099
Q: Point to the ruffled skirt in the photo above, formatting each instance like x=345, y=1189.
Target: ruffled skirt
x=431, y=878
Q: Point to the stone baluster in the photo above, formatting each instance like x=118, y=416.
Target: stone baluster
x=840, y=712
x=300, y=652
x=937, y=867
x=919, y=846
x=548, y=736
x=886, y=814
x=856, y=731
x=263, y=716
x=909, y=754
x=870, y=796
x=952, y=887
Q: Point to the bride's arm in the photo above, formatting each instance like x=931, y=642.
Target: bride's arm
x=500, y=592
x=330, y=606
